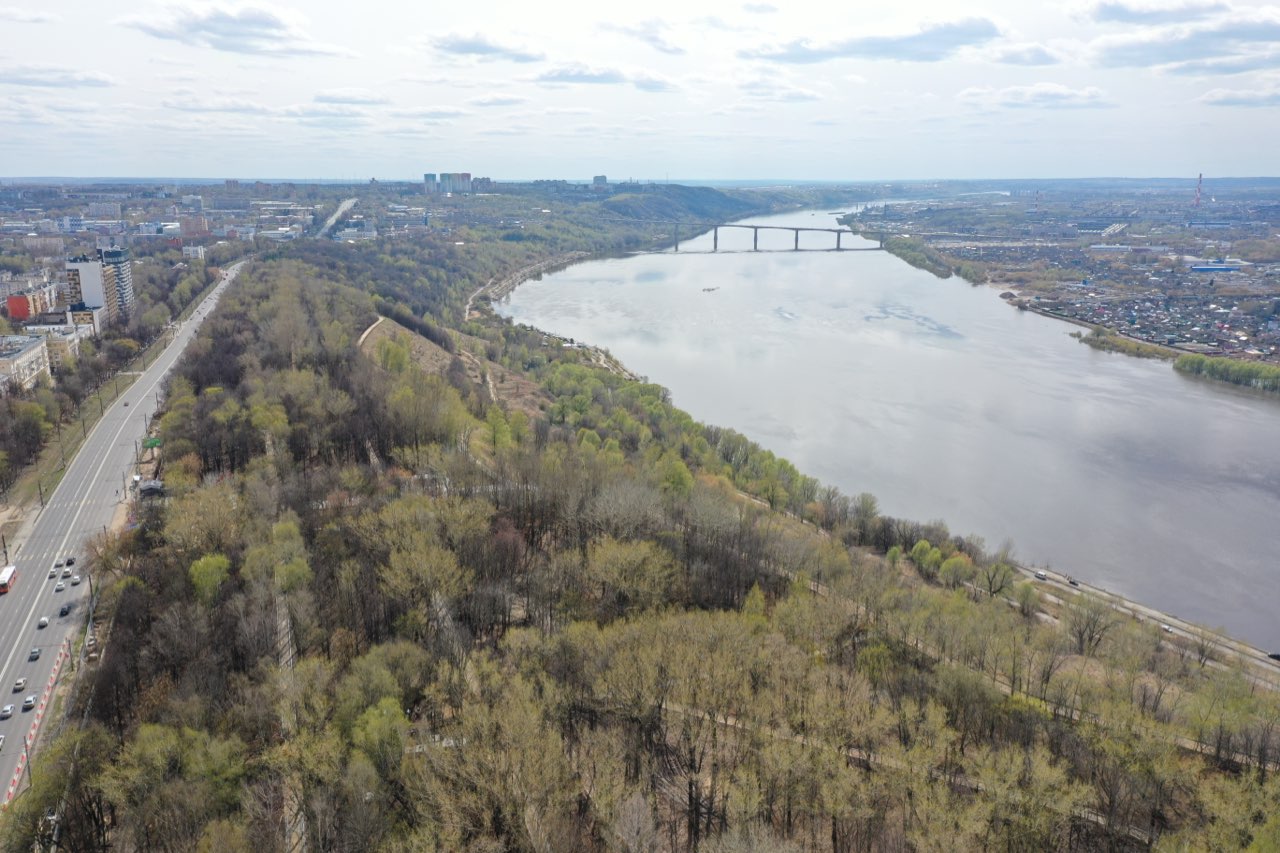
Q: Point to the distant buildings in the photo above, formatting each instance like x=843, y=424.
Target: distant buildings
x=24, y=359
x=62, y=341
x=102, y=282
x=120, y=260
x=92, y=285
x=449, y=182
x=34, y=300
x=195, y=253
x=104, y=209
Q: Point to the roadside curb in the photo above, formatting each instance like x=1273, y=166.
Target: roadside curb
x=33, y=734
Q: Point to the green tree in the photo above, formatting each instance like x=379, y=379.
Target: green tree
x=208, y=574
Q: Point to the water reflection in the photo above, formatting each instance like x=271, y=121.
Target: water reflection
x=946, y=403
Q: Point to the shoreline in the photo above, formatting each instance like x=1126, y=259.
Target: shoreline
x=1266, y=668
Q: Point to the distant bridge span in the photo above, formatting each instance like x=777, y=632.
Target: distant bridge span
x=715, y=227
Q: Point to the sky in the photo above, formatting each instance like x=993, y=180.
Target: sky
x=659, y=90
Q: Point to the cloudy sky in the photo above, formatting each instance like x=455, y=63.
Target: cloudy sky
x=790, y=89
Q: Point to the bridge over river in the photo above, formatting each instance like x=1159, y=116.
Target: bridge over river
x=714, y=228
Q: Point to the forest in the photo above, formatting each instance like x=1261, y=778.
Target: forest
x=385, y=609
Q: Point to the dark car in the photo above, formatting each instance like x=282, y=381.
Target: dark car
x=35, y=654
x=66, y=608
x=71, y=561
x=1274, y=655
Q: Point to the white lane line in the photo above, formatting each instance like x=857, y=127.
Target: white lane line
x=80, y=507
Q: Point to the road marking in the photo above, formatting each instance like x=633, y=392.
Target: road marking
x=81, y=505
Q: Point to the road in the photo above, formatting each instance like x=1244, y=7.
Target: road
x=88, y=499
x=332, y=220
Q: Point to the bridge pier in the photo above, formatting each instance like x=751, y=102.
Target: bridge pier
x=675, y=237
x=839, y=234
x=755, y=239
x=715, y=239
x=796, y=247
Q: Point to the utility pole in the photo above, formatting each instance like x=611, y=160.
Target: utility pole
x=40, y=487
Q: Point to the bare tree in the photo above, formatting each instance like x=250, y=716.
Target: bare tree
x=1088, y=622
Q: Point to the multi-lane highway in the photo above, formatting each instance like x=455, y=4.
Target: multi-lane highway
x=88, y=499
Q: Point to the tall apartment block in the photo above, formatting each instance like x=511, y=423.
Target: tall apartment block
x=120, y=260
x=92, y=284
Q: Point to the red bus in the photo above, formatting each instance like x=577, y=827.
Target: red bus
x=8, y=575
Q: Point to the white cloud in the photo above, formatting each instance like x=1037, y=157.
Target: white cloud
x=771, y=88
x=215, y=105
x=1036, y=96
x=52, y=77
x=579, y=74
x=1242, y=98
x=1231, y=36
x=653, y=32
x=351, y=96
x=24, y=16
x=497, y=100
x=483, y=48
x=1122, y=12
x=931, y=43
x=234, y=29
x=431, y=112
x=1023, y=54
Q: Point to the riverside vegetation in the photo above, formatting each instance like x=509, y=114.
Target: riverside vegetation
x=535, y=607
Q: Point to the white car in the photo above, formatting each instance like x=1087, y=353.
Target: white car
x=19, y=685
x=59, y=586
x=53, y=573
x=75, y=580
x=1, y=742
x=29, y=702
x=66, y=573
x=6, y=712
x=43, y=623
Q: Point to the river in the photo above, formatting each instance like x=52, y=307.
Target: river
x=946, y=403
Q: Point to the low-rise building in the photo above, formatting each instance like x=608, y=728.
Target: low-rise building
x=62, y=342
x=87, y=315
x=193, y=252
x=34, y=300
x=23, y=360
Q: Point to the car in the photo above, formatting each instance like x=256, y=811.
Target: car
x=75, y=580
x=1, y=742
x=19, y=685
x=53, y=573
x=43, y=623
x=29, y=702
x=126, y=402
x=1274, y=655
x=1168, y=629
x=1041, y=576
x=6, y=712
x=35, y=654
x=66, y=573
x=59, y=564
x=66, y=608
x=59, y=586
x=71, y=561
x=1073, y=581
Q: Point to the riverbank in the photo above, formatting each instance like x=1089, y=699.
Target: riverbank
x=1093, y=427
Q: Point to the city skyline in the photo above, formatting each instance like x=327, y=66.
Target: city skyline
x=732, y=90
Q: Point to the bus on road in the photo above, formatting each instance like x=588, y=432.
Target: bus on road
x=8, y=575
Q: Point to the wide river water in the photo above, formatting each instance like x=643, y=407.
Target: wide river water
x=946, y=403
